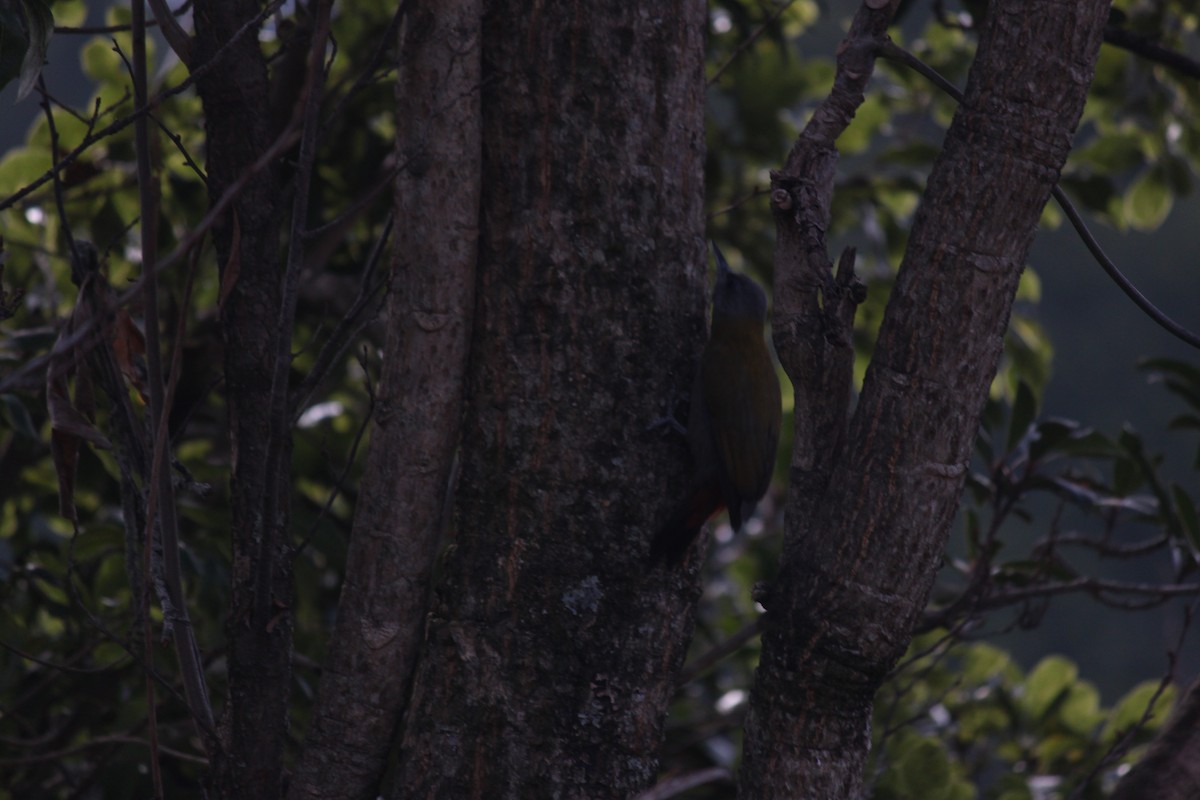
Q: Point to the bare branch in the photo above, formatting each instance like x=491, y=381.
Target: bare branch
x=124, y=122
x=1151, y=50
x=673, y=787
x=172, y=31
x=346, y=331
x=718, y=652
x=160, y=488
x=750, y=40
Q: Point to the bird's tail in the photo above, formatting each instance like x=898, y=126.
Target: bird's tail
x=673, y=538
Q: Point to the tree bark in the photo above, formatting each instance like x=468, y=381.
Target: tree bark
x=399, y=517
x=550, y=636
x=863, y=544
x=259, y=626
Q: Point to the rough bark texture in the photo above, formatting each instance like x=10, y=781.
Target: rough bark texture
x=259, y=627
x=399, y=516
x=1170, y=770
x=542, y=673
x=860, y=557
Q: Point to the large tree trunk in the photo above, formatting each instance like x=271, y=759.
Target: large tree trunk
x=544, y=662
x=865, y=537
x=399, y=517
x=259, y=627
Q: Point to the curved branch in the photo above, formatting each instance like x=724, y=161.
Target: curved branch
x=1097, y=587
x=893, y=52
x=1151, y=51
x=172, y=31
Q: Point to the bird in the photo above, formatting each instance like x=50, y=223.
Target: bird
x=734, y=418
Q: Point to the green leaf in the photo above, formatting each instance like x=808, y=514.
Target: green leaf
x=13, y=44
x=1127, y=476
x=40, y=24
x=1180, y=378
x=17, y=416
x=1185, y=508
x=1030, y=287
x=1148, y=201
x=1112, y=152
x=1093, y=192
x=99, y=540
x=924, y=770
x=21, y=166
x=972, y=534
x=1131, y=466
x=1182, y=369
x=1015, y=794
x=984, y=662
x=1048, y=682
x=1024, y=410
x=1090, y=444
x=1052, y=435
x=1131, y=708
x=1080, y=711
x=71, y=13
x=870, y=116
x=1184, y=422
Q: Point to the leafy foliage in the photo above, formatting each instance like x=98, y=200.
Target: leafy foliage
x=958, y=719
x=74, y=687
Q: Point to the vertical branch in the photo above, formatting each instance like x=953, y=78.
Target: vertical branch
x=146, y=201
x=860, y=566
x=242, y=150
x=159, y=487
x=280, y=420
x=399, y=522
x=814, y=310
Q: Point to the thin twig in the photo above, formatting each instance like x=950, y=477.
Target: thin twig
x=386, y=40
x=58, y=755
x=147, y=204
x=359, y=204
x=346, y=331
x=677, y=785
x=1122, y=282
x=18, y=378
x=750, y=40
x=1122, y=743
x=893, y=52
x=1094, y=586
x=719, y=651
x=177, y=140
x=104, y=629
x=758, y=191
x=120, y=662
x=279, y=419
x=102, y=29
x=1112, y=549
x=1151, y=51
x=58, y=189
x=124, y=122
x=42, y=89
x=339, y=481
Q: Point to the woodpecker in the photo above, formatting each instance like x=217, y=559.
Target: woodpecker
x=733, y=424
